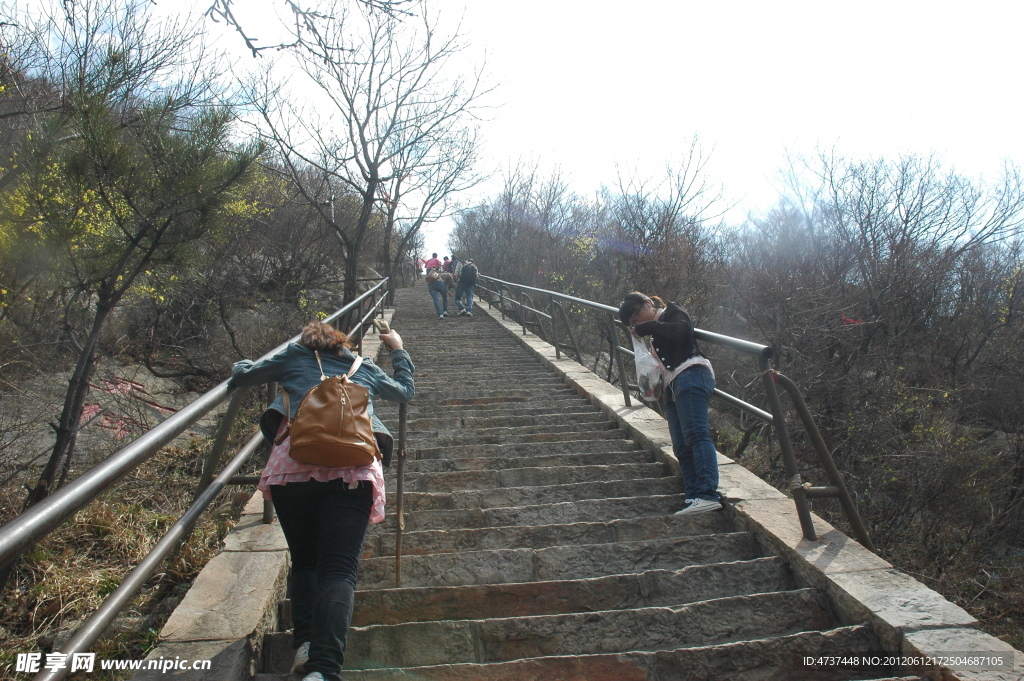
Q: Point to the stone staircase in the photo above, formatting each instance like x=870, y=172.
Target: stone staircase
x=540, y=544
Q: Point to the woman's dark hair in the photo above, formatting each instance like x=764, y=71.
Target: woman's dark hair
x=323, y=338
x=632, y=303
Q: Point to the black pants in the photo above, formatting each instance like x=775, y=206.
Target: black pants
x=324, y=524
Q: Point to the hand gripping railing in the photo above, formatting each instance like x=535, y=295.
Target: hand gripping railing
x=502, y=292
x=35, y=523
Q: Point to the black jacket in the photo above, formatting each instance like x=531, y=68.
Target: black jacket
x=672, y=336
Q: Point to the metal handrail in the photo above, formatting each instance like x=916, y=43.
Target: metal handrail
x=775, y=417
x=39, y=520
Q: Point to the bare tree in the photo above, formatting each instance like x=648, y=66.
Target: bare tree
x=907, y=227
x=391, y=119
x=303, y=15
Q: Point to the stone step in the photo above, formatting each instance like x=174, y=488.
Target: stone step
x=438, y=369
x=497, y=407
x=520, y=392
x=470, y=418
x=523, y=398
x=522, y=477
x=615, y=592
x=500, y=463
x=762, y=659
x=525, y=449
x=580, y=561
x=544, y=494
x=500, y=378
x=525, y=378
x=445, y=421
x=506, y=434
x=381, y=541
x=449, y=419
x=547, y=434
x=496, y=341
x=590, y=510
x=590, y=633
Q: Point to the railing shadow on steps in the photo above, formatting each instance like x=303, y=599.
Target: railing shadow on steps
x=37, y=522
x=517, y=300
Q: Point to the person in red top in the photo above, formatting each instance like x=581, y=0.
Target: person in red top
x=433, y=262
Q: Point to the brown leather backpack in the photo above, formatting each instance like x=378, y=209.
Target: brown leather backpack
x=332, y=424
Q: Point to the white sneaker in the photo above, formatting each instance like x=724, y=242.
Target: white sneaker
x=301, y=656
x=695, y=506
x=313, y=676
x=468, y=313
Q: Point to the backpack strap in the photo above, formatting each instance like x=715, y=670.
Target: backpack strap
x=287, y=402
x=355, y=366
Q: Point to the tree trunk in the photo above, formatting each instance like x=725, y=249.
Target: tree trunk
x=74, y=405
x=352, y=255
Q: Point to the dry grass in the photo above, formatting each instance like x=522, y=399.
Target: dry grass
x=64, y=578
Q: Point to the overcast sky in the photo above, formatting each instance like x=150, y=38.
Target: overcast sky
x=594, y=87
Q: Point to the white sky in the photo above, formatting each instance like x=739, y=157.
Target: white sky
x=590, y=86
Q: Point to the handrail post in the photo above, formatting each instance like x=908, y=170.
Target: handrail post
x=522, y=312
x=621, y=362
x=569, y=332
x=825, y=458
x=268, y=503
x=359, y=316
x=403, y=419
x=554, y=327
x=803, y=509
x=219, y=444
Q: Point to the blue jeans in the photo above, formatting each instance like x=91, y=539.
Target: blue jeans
x=686, y=409
x=324, y=524
x=465, y=288
x=439, y=292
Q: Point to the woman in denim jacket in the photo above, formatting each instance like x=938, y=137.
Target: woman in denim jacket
x=324, y=512
x=690, y=382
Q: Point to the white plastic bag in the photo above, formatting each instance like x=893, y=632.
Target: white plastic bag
x=650, y=376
